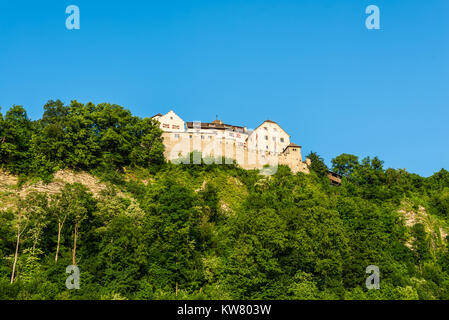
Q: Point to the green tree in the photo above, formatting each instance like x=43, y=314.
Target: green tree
x=15, y=140
x=173, y=236
x=30, y=218
x=345, y=164
x=317, y=164
x=439, y=203
x=421, y=244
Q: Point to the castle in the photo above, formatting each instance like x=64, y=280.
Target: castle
x=267, y=146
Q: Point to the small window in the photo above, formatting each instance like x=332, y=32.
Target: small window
x=266, y=147
x=166, y=125
x=176, y=136
x=190, y=136
x=266, y=137
x=202, y=137
x=282, y=139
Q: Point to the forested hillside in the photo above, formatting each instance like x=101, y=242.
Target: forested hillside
x=88, y=185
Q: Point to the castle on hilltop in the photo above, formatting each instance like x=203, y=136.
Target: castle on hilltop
x=266, y=146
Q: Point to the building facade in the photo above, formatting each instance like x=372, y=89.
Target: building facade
x=267, y=145
x=170, y=122
x=268, y=137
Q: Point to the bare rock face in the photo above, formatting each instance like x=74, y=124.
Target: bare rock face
x=8, y=190
x=91, y=182
x=8, y=183
x=61, y=178
x=413, y=216
x=225, y=208
x=7, y=179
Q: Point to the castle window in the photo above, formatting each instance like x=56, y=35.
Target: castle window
x=166, y=126
x=266, y=137
x=190, y=136
x=176, y=136
x=202, y=137
x=282, y=139
x=175, y=127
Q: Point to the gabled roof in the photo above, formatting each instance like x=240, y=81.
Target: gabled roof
x=163, y=115
x=271, y=121
x=293, y=145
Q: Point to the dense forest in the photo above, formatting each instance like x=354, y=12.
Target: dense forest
x=148, y=229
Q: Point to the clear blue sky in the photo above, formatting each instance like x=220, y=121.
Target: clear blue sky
x=312, y=66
